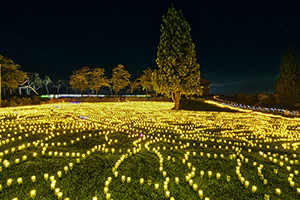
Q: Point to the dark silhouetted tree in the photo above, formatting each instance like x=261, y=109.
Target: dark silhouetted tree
x=120, y=78
x=177, y=73
x=287, y=87
x=58, y=85
x=46, y=82
x=66, y=84
x=35, y=82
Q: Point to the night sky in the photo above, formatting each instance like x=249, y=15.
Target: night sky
x=239, y=44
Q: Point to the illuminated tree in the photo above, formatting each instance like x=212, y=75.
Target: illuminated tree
x=146, y=80
x=97, y=79
x=35, y=82
x=177, y=73
x=135, y=84
x=120, y=78
x=46, y=82
x=79, y=79
x=11, y=76
x=287, y=86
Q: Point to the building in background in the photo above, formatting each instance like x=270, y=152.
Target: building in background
x=205, y=84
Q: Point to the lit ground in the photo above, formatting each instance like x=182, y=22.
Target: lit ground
x=144, y=150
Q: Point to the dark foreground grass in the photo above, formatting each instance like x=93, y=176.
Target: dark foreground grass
x=112, y=146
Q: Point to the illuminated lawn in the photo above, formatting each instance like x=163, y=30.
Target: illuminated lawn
x=144, y=150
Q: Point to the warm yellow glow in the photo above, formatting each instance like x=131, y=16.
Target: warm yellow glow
x=9, y=182
x=33, y=178
x=141, y=181
x=200, y=193
x=237, y=137
x=254, y=188
x=32, y=193
x=20, y=181
x=278, y=191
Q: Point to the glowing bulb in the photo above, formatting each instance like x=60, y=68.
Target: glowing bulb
x=19, y=181
x=200, y=193
x=254, y=188
x=46, y=177
x=59, y=195
x=123, y=178
x=195, y=186
x=33, y=178
x=32, y=194
x=9, y=182
x=278, y=191
x=209, y=174
x=105, y=190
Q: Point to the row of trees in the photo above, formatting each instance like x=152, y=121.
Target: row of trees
x=178, y=71
x=12, y=77
x=83, y=79
x=177, y=74
x=94, y=79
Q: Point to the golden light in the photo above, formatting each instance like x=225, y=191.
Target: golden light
x=278, y=191
x=33, y=178
x=20, y=181
x=242, y=139
x=9, y=182
x=105, y=190
x=200, y=192
x=59, y=195
x=33, y=193
x=254, y=189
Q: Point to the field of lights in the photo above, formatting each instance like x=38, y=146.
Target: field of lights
x=144, y=150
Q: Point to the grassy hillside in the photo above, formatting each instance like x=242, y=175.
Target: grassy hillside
x=144, y=150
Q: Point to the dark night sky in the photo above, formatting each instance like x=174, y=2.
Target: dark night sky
x=239, y=44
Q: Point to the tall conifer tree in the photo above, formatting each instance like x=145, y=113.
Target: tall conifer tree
x=287, y=87
x=177, y=73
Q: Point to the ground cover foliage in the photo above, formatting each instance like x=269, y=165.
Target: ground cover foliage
x=144, y=150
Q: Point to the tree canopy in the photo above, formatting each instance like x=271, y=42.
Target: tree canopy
x=58, y=84
x=178, y=71
x=287, y=86
x=34, y=81
x=79, y=79
x=46, y=82
x=120, y=78
x=11, y=75
x=97, y=79
x=146, y=80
